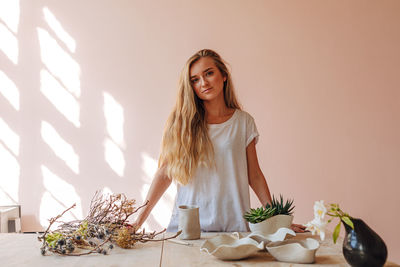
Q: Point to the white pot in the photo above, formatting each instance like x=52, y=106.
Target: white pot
x=271, y=225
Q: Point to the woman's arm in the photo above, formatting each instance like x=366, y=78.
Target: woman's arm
x=258, y=183
x=256, y=178
x=159, y=185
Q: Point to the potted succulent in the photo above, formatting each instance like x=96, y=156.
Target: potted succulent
x=267, y=220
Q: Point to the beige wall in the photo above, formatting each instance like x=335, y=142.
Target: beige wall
x=86, y=87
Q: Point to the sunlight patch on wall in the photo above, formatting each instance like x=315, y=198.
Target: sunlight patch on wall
x=8, y=44
x=58, y=29
x=114, y=143
x=62, y=100
x=149, y=167
x=9, y=14
x=114, y=115
x=9, y=166
x=9, y=137
x=59, y=196
x=59, y=146
x=114, y=157
x=9, y=177
x=163, y=210
x=9, y=90
x=60, y=64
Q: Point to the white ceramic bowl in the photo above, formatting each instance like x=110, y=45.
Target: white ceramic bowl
x=279, y=235
x=296, y=251
x=271, y=225
x=231, y=247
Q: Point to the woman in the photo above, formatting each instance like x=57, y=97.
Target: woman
x=208, y=148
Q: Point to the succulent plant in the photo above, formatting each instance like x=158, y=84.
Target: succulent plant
x=280, y=207
x=259, y=214
x=277, y=207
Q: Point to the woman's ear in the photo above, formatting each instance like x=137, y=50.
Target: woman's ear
x=225, y=78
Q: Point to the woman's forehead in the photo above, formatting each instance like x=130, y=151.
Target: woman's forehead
x=201, y=65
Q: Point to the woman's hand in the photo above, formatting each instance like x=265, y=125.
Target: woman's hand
x=298, y=228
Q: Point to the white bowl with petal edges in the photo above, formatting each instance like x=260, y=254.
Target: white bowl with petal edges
x=295, y=251
x=231, y=247
x=279, y=235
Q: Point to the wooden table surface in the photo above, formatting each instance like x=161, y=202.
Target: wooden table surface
x=24, y=250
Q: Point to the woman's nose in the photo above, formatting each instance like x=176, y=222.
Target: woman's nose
x=203, y=81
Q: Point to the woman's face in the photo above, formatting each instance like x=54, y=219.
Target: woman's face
x=206, y=79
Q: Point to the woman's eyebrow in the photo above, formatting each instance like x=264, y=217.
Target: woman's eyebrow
x=208, y=69
x=194, y=76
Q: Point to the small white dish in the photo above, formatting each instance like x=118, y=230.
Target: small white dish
x=231, y=247
x=295, y=251
x=279, y=235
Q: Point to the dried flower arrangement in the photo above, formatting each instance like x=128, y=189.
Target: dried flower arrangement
x=105, y=225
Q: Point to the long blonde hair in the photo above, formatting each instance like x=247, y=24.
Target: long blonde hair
x=186, y=143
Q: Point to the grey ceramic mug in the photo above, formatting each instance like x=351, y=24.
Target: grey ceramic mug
x=189, y=222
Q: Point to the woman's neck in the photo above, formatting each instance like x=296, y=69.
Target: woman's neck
x=217, y=112
x=216, y=108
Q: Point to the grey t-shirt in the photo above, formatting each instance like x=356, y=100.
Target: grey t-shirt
x=222, y=192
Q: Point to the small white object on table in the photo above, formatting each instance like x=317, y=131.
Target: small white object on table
x=10, y=214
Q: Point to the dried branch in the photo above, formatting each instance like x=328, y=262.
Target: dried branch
x=163, y=239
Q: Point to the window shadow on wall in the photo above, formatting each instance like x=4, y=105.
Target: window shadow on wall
x=60, y=141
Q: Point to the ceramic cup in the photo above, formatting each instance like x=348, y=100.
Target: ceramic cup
x=189, y=222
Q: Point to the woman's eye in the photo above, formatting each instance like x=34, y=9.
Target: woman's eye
x=209, y=73
x=195, y=80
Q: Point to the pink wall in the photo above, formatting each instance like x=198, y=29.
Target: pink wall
x=86, y=87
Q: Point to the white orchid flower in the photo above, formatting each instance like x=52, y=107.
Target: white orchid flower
x=319, y=209
x=317, y=226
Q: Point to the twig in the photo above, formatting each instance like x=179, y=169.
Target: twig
x=167, y=238
x=180, y=242
x=53, y=220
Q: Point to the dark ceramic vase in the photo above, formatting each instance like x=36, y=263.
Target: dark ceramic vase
x=362, y=247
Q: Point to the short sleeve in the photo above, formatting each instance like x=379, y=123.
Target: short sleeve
x=251, y=130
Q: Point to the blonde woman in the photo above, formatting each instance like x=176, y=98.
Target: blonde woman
x=209, y=150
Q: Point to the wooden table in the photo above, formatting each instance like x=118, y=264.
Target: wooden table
x=24, y=250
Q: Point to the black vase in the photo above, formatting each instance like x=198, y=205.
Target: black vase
x=362, y=246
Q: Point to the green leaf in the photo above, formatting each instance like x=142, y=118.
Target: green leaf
x=336, y=233
x=348, y=221
x=280, y=206
x=259, y=214
x=52, y=243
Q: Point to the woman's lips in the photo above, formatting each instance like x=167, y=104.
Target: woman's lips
x=207, y=90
